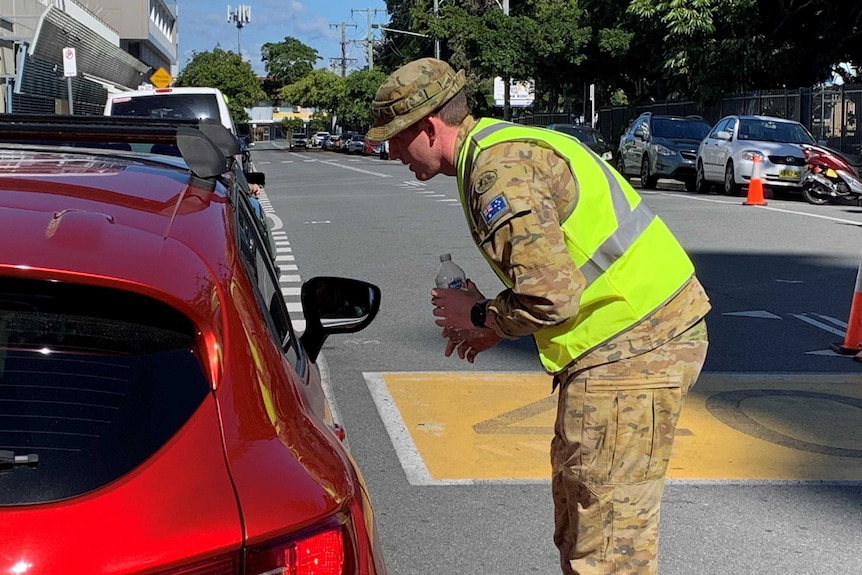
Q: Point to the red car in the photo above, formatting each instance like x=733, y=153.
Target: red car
x=158, y=414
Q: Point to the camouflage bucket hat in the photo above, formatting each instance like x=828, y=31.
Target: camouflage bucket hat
x=410, y=93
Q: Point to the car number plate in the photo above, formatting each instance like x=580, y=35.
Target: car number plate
x=789, y=174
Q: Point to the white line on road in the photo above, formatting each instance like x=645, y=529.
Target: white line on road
x=717, y=201
x=818, y=324
x=360, y=170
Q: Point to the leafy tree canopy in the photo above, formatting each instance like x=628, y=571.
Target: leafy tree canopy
x=228, y=72
x=636, y=49
x=359, y=89
x=286, y=62
x=320, y=89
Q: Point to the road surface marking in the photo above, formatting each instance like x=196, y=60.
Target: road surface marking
x=493, y=427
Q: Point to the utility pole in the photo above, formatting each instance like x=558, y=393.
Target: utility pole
x=344, y=43
x=241, y=16
x=507, y=81
x=369, y=39
x=437, y=40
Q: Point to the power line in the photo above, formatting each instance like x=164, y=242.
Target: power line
x=344, y=42
x=369, y=38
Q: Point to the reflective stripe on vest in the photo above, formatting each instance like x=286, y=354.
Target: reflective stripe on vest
x=631, y=262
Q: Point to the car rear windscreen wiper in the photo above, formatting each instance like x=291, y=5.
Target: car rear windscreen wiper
x=8, y=459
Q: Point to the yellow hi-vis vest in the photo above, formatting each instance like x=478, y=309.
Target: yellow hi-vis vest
x=631, y=261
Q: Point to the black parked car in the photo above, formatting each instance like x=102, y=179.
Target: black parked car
x=589, y=136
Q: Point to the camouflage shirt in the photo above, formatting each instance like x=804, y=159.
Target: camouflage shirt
x=525, y=241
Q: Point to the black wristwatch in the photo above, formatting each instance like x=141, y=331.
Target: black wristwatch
x=479, y=312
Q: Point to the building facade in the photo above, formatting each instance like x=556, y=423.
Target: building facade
x=117, y=44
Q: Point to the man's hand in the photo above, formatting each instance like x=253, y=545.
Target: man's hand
x=452, y=306
x=469, y=343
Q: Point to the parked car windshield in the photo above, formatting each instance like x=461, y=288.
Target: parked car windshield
x=167, y=106
x=772, y=131
x=586, y=136
x=680, y=129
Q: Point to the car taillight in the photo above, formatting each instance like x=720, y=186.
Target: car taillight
x=314, y=553
x=321, y=553
x=225, y=565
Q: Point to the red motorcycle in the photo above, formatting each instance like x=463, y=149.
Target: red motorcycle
x=829, y=175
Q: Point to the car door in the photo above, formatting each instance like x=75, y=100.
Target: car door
x=709, y=152
x=629, y=152
x=724, y=148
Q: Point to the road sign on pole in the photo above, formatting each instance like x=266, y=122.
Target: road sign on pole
x=70, y=65
x=161, y=78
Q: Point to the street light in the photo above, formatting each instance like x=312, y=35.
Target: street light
x=379, y=27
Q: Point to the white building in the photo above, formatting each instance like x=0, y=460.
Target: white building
x=118, y=44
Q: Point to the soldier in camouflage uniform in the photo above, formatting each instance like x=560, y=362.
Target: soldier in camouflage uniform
x=619, y=397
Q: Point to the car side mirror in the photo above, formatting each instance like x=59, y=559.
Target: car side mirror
x=334, y=305
x=724, y=135
x=639, y=133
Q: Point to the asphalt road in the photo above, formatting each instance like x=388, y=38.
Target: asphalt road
x=781, y=278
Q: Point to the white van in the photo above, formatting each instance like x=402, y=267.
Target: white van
x=165, y=103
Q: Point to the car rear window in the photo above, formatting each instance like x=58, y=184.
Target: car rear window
x=168, y=106
x=92, y=381
x=681, y=129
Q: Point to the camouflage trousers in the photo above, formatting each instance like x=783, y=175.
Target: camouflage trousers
x=612, y=441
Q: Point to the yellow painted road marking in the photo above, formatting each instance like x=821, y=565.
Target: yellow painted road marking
x=466, y=427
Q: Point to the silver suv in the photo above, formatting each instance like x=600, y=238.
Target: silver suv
x=656, y=147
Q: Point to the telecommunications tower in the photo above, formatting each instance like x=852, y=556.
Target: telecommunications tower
x=241, y=16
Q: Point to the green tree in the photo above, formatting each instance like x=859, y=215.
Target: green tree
x=228, y=72
x=320, y=89
x=286, y=63
x=292, y=125
x=354, y=108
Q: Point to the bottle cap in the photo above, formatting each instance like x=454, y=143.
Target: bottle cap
x=445, y=257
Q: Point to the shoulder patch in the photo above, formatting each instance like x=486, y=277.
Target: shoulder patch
x=494, y=209
x=485, y=181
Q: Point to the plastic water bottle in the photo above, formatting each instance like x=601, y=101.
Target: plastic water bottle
x=450, y=275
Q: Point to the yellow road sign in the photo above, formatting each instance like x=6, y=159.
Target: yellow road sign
x=161, y=78
x=465, y=427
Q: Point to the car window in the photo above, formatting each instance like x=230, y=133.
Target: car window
x=730, y=125
x=680, y=129
x=93, y=381
x=585, y=136
x=167, y=106
x=721, y=125
x=774, y=131
x=260, y=268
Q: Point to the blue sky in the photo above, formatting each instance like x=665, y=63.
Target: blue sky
x=203, y=24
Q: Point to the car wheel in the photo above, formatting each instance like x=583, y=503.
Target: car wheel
x=701, y=186
x=690, y=185
x=621, y=167
x=731, y=188
x=647, y=181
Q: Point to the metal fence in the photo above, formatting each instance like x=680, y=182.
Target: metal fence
x=829, y=112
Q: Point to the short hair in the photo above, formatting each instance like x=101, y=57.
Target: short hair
x=455, y=110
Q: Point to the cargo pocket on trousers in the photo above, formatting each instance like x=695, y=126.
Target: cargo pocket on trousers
x=629, y=426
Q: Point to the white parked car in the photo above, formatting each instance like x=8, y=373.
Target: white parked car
x=318, y=138
x=167, y=103
x=727, y=155
x=356, y=144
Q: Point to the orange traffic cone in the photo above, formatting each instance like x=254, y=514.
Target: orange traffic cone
x=853, y=336
x=755, y=186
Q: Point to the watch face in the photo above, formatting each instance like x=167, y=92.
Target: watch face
x=478, y=313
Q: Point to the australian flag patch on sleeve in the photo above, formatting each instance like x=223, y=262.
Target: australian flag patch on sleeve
x=495, y=208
